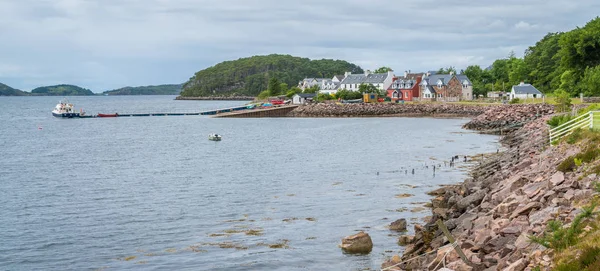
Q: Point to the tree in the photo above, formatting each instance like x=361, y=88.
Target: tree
x=283, y=87
x=313, y=89
x=517, y=71
x=447, y=70
x=368, y=88
x=567, y=82
x=383, y=70
x=563, y=100
x=543, y=63
x=293, y=91
x=590, y=83
x=274, y=87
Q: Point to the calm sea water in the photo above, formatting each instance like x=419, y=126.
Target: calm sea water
x=152, y=193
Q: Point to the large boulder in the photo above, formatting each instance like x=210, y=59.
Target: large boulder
x=359, y=243
x=398, y=225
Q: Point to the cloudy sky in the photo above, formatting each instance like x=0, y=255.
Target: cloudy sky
x=107, y=44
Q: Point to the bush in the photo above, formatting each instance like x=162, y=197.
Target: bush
x=558, y=237
x=567, y=165
x=588, y=260
x=323, y=97
x=563, y=101
x=515, y=101
x=559, y=120
x=589, y=155
x=575, y=136
x=264, y=95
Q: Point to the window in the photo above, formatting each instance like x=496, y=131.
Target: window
x=405, y=94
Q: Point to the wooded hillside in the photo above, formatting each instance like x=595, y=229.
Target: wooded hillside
x=147, y=90
x=62, y=90
x=249, y=76
x=565, y=61
x=8, y=91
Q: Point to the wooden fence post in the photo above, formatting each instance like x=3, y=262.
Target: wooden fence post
x=451, y=240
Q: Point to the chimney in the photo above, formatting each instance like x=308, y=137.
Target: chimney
x=405, y=74
x=346, y=74
x=427, y=74
x=367, y=72
x=451, y=73
x=522, y=83
x=390, y=74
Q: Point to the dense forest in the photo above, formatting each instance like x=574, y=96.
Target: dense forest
x=61, y=90
x=250, y=76
x=564, y=61
x=8, y=91
x=147, y=90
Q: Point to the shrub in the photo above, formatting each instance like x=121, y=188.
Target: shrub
x=558, y=237
x=563, y=100
x=559, y=120
x=264, y=95
x=567, y=165
x=574, y=136
x=578, y=162
x=515, y=101
x=589, y=154
x=588, y=260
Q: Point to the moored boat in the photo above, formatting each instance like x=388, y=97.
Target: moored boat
x=64, y=109
x=100, y=115
x=214, y=137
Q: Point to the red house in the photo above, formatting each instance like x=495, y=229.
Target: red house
x=405, y=88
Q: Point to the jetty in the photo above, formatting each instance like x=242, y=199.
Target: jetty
x=232, y=112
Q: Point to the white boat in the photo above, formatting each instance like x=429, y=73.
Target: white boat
x=64, y=109
x=214, y=137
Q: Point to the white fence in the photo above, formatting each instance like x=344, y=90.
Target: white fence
x=585, y=120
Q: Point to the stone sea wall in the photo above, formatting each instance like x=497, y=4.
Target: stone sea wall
x=486, y=118
x=388, y=109
x=508, y=117
x=510, y=196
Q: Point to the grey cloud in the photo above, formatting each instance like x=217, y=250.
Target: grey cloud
x=111, y=43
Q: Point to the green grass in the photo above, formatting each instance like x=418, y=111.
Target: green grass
x=596, y=124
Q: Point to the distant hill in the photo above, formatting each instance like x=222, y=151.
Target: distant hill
x=61, y=90
x=8, y=91
x=147, y=90
x=249, y=76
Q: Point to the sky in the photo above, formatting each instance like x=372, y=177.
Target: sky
x=108, y=44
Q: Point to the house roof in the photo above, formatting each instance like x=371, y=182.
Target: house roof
x=339, y=77
x=306, y=95
x=434, y=78
x=376, y=78
x=462, y=78
x=354, y=79
x=373, y=78
x=525, y=89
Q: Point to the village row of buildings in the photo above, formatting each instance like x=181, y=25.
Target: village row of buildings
x=428, y=86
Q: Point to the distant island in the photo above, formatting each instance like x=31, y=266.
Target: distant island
x=8, y=91
x=61, y=90
x=250, y=76
x=173, y=89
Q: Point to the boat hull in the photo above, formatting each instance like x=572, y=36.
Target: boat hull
x=66, y=115
x=108, y=115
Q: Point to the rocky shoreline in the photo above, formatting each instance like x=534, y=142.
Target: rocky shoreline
x=510, y=196
x=327, y=110
x=216, y=98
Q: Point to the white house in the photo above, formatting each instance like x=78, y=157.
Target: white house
x=381, y=81
x=326, y=85
x=302, y=98
x=524, y=91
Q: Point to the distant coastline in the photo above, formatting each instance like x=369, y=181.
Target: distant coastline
x=216, y=98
